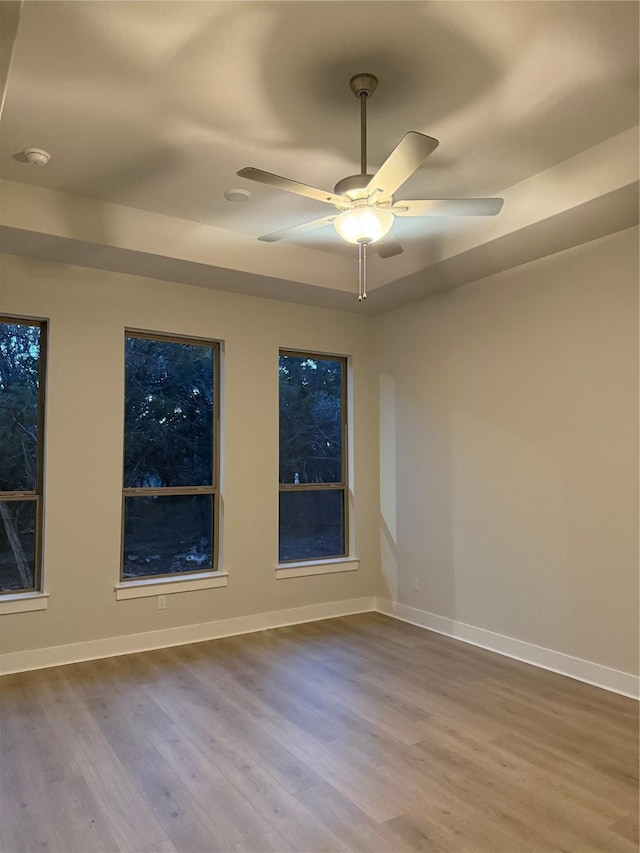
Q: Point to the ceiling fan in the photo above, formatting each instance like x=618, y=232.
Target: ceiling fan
x=365, y=203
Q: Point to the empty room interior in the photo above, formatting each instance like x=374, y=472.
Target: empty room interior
x=319, y=426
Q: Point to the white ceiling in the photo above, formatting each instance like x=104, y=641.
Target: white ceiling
x=149, y=108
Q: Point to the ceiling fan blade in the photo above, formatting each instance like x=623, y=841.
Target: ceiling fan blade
x=449, y=207
x=410, y=153
x=295, y=230
x=388, y=247
x=279, y=183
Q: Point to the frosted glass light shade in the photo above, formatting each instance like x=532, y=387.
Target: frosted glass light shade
x=363, y=224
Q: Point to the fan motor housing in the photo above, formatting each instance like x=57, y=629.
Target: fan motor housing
x=354, y=187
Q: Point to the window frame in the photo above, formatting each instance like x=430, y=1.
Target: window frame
x=36, y=494
x=213, y=489
x=343, y=485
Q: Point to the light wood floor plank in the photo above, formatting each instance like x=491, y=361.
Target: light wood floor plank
x=349, y=822
x=162, y=847
x=127, y=814
x=270, y=842
x=353, y=734
x=628, y=828
x=364, y=781
x=212, y=694
x=249, y=777
x=189, y=826
x=232, y=812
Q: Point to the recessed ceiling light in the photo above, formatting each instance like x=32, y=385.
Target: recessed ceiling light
x=238, y=196
x=37, y=156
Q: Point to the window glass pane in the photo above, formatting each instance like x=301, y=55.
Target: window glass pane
x=18, y=521
x=19, y=406
x=168, y=414
x=311, y=524
x=167, y=534
x=310, y=419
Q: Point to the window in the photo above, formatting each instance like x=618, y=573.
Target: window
x=313, y=433
x=22, y=384
x=170, y=503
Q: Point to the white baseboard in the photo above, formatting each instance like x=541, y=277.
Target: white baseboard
x=583, y=670
x=130, y=643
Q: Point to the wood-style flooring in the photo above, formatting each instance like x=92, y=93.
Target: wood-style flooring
x=352, y=734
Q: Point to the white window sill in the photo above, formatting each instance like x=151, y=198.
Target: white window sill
x=24, y=602
x=167, y=586
x=316, y=567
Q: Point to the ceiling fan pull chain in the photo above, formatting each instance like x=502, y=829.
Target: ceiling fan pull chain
x=362, y=271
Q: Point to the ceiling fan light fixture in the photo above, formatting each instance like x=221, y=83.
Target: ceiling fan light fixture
x=364, y=224
x=366, y=202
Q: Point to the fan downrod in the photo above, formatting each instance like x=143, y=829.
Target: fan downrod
x=363, y=86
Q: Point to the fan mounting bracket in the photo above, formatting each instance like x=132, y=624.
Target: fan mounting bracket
x=363, y=84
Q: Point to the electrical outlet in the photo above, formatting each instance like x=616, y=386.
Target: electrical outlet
x=162, y=602
x=416, y=584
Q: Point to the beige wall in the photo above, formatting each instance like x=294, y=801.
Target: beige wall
x=88, y=312
x=507, y=455
x=509, y=463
